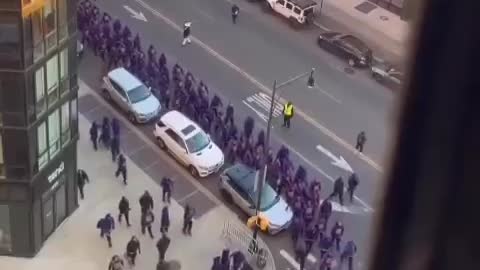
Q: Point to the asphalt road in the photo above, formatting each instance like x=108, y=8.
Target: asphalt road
x=235, y=59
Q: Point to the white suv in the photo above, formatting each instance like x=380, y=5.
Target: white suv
x=188, y=143
x=297, y=11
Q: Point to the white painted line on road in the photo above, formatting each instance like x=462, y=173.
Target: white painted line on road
x=290, y=259
x=329, y=95
x=317, y=24
x=188, y=196
x=205, y=14
x=260, y=114
x=249, y=77
x=311, y=258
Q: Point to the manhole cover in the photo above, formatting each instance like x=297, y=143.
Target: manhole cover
x=365, y=7
x=349, y=70
x=169, y=265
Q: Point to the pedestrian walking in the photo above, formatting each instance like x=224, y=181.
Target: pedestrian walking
x=361, y=140
x=94, y=135
x=328, y=262
x=348, y=253
x=337, y=233
x=106, y=226
x=167, y=187
x=235, y=11
x=311, y=236
x=146, y=202
x=188, y=219
x=121, y=168
x=164, y=220
x=82, y=179
x=115, y=127
x=352, y=185
x=116, y=263
x=132, y=249
x=162, y=246
x=124, y=210
x=325, y=244
x=326, y=209
x=115, y=147
x=186, y=33
x=147, y=219
x=338, y=187
x=105, y=136
x=300, y=251
x=287, y=114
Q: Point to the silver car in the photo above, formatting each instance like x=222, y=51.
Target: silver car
x=237, y=185
x=133, y=97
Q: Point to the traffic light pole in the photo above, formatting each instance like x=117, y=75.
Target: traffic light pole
x=263, y=173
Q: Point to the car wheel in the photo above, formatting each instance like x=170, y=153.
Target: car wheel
x=106, y=94
x=351, y=62
x=227, y=196
x=161, y=144
x=131, y=117
x=193, y=171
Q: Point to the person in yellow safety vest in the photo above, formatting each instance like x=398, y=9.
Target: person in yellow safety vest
x=262, y=222
x=287, y=114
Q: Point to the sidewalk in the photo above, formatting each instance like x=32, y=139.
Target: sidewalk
x=381, y=29
x=76, y=244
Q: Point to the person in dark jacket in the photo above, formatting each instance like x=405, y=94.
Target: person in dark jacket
x=186, y=33
x=311, y=236
x=348, y=253
x=164, y=220
x=146, y=202
x=116, y=263
x=122, y=168
x=106, y=226
x=327, y=263
x=361, y=140
x=147, y=220
x=229, y=114
x=235, y=11
x=301, y=251
x=188, y=219
x=115, y=147
x=352, y=185
x=105, y=136
x=124, y=209
x=162, y=246
x=115, y=127
x=94, y=135
x=167, y=187
x=133, y=248
x=326, y=209
x=338, y=187
x=82, y=179
x=337, y=232
x=325, y=244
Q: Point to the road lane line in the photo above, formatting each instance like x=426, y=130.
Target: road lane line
x=329, y=95
x=205, y=14
x=187, y=196
x=290, y=259
x=249, y=77
x=260, y=114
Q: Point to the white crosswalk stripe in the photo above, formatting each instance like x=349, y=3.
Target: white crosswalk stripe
x=263, y=101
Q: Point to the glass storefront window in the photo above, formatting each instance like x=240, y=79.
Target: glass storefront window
x=40, y=103
x=65, y=123
x=37, y=35
x=62, y=19
x=9, y=40
x=54, y=133
x=52, y=80
x=42, y=157
x=64, y=71
x=2, y=168
x=5, y=232
x=50, y=24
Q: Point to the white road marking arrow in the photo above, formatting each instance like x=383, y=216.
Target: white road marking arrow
x=339, y=162
x=137, y=15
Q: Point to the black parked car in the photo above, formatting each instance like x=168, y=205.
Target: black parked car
x=348, y=47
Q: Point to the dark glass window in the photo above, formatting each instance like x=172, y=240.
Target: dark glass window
x=10, y=56
x=5, y=232
x=64, y=82
x=37, y=35
x=62, y=19
x=65, y=122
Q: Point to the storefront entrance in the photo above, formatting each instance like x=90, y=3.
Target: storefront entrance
x=53, y=206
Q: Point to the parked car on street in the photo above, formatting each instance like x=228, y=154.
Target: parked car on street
x=131, y=95
x=348, y=47
x=386, y=74
x=237, y=185
x=297, y=11
x=188, y=143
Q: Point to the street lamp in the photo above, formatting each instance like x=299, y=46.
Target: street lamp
x=263, y=172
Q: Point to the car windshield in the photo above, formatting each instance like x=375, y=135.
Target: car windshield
x=269, y=198
x=138, y=94
x=198, y=142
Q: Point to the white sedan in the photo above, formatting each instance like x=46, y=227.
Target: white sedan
x=188, y=143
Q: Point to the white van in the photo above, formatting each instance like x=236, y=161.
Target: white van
x=297, y=11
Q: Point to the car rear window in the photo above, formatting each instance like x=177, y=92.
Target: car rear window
x=355, y=43
x=187, y=130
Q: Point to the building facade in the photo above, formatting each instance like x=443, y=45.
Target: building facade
x=38, y=121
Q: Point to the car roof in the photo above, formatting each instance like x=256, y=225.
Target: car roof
x=125, y=79
x=180, y=123
x=303, y=3
x=242, y=176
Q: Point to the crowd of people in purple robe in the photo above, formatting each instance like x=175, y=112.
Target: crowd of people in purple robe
x=115, y=44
